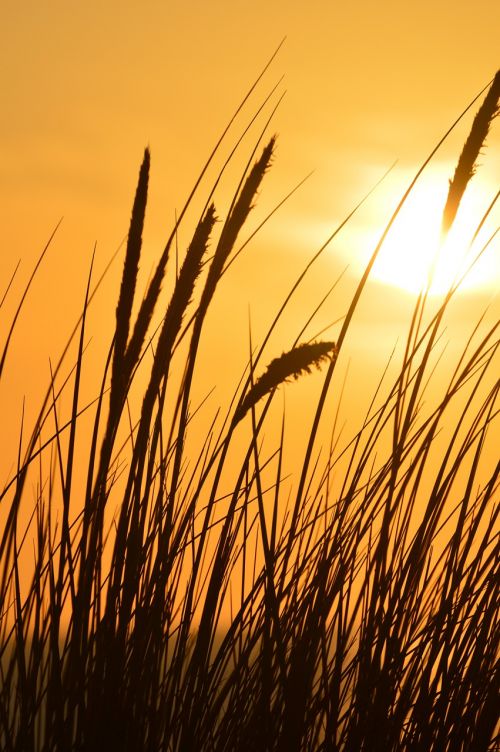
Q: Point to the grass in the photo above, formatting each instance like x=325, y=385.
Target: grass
x=191, y=601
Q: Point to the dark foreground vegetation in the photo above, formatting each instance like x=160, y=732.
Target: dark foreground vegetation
x=194, y=603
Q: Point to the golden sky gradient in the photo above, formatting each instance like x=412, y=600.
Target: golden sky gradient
x=86, y=85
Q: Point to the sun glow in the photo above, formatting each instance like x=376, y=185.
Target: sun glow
x=413, y=256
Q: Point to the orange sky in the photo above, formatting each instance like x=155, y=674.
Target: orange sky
x=86, y=85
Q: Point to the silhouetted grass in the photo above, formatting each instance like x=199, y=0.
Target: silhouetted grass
x=466, y=165
x=189, y=603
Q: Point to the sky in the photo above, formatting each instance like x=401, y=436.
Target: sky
x=87, y=85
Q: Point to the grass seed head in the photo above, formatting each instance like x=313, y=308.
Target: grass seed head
x=466, y=165
x=290, y=365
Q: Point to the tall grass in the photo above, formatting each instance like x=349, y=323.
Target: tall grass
x=189, y=602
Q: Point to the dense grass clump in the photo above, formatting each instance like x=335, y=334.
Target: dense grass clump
x=188, y=602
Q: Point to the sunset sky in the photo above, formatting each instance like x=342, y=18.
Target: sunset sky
x=87, y=85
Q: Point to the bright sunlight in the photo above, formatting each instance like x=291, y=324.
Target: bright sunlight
x=414, y=256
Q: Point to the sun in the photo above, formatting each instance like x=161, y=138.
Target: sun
x=414, y=257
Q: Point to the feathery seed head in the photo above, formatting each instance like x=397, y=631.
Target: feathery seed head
x=466, y=166
x=290, y=365
x=130, y=268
